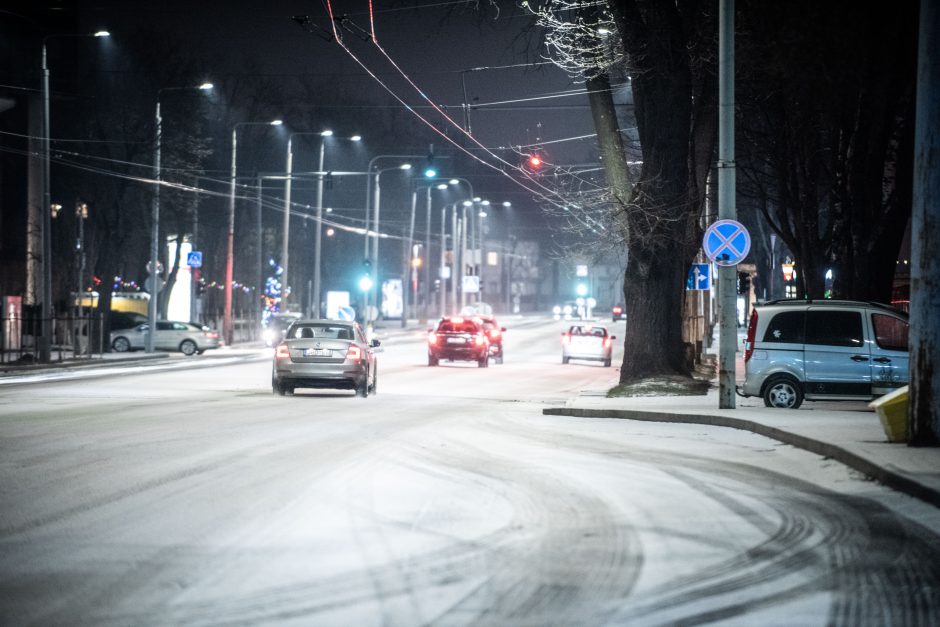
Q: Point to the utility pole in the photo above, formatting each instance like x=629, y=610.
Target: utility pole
x=924, y=417
x=727, y=292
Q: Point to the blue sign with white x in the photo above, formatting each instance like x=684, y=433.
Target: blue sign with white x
x=726, y=242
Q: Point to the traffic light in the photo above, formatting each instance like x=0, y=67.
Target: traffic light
x=744, y=282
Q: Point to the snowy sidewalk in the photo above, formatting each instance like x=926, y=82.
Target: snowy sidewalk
x=848, y=432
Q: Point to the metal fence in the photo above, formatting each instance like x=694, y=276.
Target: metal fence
x=74, y=336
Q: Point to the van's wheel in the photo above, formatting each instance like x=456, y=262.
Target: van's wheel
x=188, y=348
x=564, y=360
x=121, y=345
x=607, y=363
x=783, y=392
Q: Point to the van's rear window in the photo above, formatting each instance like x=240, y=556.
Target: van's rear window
x=786, y=327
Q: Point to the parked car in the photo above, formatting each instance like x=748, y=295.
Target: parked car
x=332, y=354
x=275, y=327
x=494, y=332
x=126, y=319
x=588, y=342
x=824, y=350
x=459, y=339
x=187, y=337
x=618, y=312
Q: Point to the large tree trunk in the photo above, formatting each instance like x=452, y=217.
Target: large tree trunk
x=658, y=38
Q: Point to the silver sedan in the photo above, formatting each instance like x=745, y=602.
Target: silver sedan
x=586, y=341
x=187, y=337
x=325, y=354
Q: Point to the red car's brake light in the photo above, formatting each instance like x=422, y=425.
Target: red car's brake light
x=432, y=338
x=751, y=333
x=281, y=352
x=618, y=309
x=494, y=333
x=354, y=353
x=479, y=339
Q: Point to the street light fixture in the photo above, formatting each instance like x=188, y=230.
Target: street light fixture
x=227, y=329
x=319, y=235
x=155, y=213
x=285, y=230
x=45, y=343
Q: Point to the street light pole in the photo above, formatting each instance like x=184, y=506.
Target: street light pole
x=318, y=237
x=227, y=329
x=45, y=340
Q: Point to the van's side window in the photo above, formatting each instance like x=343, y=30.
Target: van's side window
x=786, y=327
x=890, y=332
x=834, y=328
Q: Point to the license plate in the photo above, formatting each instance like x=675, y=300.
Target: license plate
x=317, y=352
x=455, y=340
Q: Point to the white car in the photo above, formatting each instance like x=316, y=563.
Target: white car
x=187, y=337
x=588, y=342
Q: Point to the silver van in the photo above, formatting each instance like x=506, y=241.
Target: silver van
x=824, y=350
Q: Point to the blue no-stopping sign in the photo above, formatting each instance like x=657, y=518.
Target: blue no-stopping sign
x=726, y=242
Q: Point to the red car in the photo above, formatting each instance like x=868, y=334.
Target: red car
x=459, y=339
x=495, y=334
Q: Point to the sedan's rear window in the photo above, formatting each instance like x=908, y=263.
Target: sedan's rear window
x=322, y=332
x=452, y=326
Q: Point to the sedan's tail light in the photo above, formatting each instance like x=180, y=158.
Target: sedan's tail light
x=432, y=338
x=354, y=353
x=281, y=352
x=565, y=338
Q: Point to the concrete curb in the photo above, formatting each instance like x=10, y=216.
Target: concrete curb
x=13, y=370
x=880, y=474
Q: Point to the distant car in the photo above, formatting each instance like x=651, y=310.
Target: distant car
x=824, y=350
x=618, y=312
x=569, y=310
x=276, y=326
x=588, y=342
x=459, y=339
x=495, y=334
x=186, y=337
x=331, y=354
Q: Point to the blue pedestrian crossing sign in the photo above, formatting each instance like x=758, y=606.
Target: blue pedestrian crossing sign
x=700, y=277
x=726, y=242
x=194, y=259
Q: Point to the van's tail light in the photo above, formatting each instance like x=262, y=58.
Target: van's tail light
x=281, y=352
x=565, y=338
x=354, y=353
x=432, y=338
x=751, y=333
x=479, y=339
x=607, y=342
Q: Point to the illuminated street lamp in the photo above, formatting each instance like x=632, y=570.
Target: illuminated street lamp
x=227, y=328
x=45, y=343
x=155, y=213
x=319, y=235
